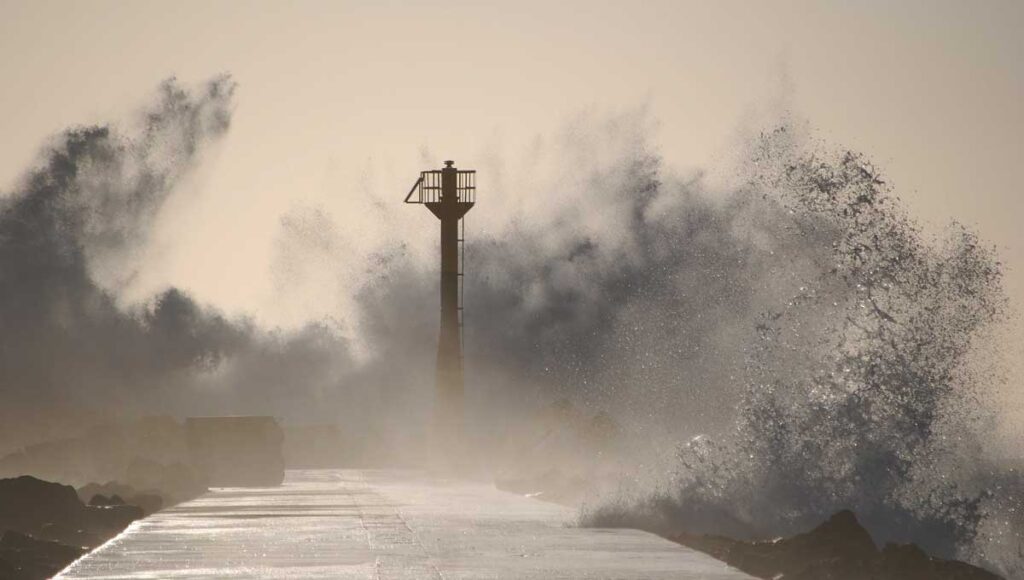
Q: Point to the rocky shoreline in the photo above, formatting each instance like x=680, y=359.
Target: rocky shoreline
x=46, y=526
x=838, y=549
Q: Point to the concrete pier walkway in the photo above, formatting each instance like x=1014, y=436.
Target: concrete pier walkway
x=383, y=525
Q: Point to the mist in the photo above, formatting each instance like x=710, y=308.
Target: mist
x=73, y=351
x=611, y=282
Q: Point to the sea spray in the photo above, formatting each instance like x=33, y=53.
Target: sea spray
x=864, y=389
x=801, y=307
x=71, y=236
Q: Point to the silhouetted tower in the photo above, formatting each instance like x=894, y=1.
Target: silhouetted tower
x=448, y=193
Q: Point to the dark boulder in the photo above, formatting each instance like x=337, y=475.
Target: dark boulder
x=110, y=488
x=52, y=511
x=100, y=500
x=23, y=557
x=840, y=537
x=7, y=569
x=114, y=517
x=72, y=534
x=27, y=503
x=838, y=549
x=111, y=493
x=911, y=563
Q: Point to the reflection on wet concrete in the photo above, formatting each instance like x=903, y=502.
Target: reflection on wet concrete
x=383, y=525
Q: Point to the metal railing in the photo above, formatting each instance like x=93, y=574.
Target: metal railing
x=427, y=188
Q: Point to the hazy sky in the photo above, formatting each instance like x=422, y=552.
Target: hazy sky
x=338, y=99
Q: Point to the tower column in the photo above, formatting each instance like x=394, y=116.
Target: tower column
x=449, y=408
x=448, y=193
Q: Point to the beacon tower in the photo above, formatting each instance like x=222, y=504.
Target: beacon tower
x=448, y=193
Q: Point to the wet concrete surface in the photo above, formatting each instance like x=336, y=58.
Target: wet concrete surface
x=373, y=524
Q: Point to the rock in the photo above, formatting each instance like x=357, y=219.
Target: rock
x=719, y=547
x=840, y=537
x=113, y=518
x=111, y=493
x=69, y=534
x=101, y=452
x=838, y=549
x=46, y=526
x=7, y=569
x=110, y=488
x=52, y=511
x=907, y=561
x=27, y=503
x=23, y=557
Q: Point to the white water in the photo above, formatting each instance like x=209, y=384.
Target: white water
x=383, y=525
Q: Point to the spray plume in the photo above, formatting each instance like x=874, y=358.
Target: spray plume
x=799, y=319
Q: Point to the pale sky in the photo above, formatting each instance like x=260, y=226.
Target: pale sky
x=339, y=98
